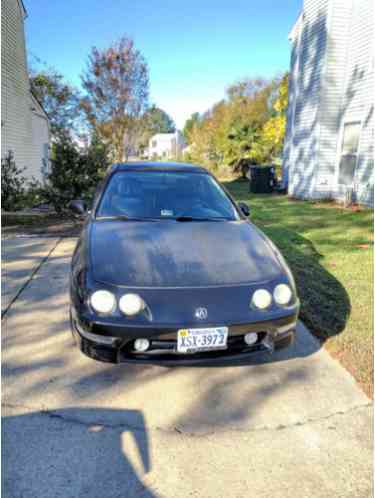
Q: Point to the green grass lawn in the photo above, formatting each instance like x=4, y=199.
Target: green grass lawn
x=330, y=251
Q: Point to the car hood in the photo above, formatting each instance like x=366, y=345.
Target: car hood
x=180, y=254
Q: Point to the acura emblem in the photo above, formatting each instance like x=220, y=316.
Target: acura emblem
x=201, y=313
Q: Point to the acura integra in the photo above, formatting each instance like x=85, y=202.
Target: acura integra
x=169, y=269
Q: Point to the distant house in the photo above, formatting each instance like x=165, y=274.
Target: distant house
x=329, y=143
x=24, y=123
x=166, y=145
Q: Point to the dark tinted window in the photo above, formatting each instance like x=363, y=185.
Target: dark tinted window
x=160, y=194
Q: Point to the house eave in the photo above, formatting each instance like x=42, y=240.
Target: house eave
x=22, y=9
x=294, y=31
x=33, y=96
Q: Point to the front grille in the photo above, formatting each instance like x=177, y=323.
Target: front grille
x=166, y=349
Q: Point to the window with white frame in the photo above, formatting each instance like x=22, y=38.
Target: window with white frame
x=349, y=152
x=45, y=160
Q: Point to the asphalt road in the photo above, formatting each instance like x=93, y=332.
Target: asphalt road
x=294, y=425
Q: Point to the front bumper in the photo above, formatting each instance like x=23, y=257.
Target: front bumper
x=116, y=344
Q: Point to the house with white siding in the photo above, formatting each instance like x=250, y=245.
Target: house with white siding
x=166, y=145
x=329, y=142
x=24, y=123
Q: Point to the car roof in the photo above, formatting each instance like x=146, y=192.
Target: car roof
x=155, y=165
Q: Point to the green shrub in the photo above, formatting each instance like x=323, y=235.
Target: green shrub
x=75, y=173
x=34, y=194
x=12, y=184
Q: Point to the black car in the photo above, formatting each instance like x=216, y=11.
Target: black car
x=169, y=269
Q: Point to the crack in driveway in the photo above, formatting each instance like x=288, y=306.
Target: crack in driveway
x=100, y=424
x=32, y=275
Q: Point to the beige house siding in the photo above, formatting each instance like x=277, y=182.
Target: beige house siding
x=288, y=152
x=15, y=91
x=18, y=120
x=331, y=83
x=331, y=99
x=166, y=145
x=309, y=40
x=358, y=101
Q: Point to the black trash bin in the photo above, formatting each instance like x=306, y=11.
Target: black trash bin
x=262, y=179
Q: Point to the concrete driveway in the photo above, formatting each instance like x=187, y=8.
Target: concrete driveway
x=21, y=257
x=295, y=425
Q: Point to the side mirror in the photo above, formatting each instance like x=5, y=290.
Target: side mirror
x=244, y=208
x=77, y=206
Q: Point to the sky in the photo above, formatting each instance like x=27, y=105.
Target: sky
x=194, y=49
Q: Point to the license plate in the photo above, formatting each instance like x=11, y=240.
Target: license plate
x=197, y=340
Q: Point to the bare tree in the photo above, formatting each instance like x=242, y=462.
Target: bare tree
x=116, y=83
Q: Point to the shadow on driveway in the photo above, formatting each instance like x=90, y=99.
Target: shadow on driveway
x=75, y=452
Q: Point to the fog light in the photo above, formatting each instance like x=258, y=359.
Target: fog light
x=141, y=345
x=251, y=338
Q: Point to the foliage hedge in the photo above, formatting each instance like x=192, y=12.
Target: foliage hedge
x=74, y=173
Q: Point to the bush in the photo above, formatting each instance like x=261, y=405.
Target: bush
x=35, y=194
x=75, y=173
x=12, y=184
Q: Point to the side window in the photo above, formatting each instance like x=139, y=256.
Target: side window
x=45, y=160
x=349, y=152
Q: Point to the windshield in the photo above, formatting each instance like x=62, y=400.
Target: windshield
x=165, y=194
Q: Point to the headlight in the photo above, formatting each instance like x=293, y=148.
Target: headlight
x=131, y=304
x=282, y=294
x=103, y=301
x=261, y=299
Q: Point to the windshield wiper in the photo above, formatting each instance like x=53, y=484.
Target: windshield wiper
x=195, y=218
x=124, y=217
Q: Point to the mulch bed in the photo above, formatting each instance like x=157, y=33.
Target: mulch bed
x=48, y=225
